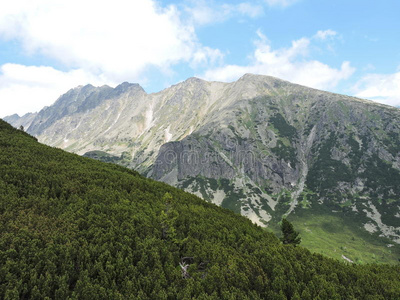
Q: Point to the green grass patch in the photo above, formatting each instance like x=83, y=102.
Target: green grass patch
x=335, y=236
x=346, y=204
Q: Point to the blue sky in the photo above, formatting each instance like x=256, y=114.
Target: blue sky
x=49, y=46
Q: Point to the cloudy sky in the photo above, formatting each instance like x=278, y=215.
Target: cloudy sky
x=49, y=46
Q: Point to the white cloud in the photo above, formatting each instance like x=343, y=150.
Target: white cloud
x=28, y=89
x=249, y=9
x=102, y=42
x=119, y=38
x=383, y=88
x=204, y=12
x=324, y=34
x=286, y=63
x=207, y=57
x=282, y=3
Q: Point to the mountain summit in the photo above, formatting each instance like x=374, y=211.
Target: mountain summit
x=261, y=146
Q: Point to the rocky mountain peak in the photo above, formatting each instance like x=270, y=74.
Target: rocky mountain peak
x=12, y=118
x=250, y=77
x=194, y=80
x=261, y=146
x=126, y=86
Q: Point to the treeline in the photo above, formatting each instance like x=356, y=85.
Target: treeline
x=76, y=228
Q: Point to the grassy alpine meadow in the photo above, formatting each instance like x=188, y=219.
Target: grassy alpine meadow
x=335, y=236
x=340, y=235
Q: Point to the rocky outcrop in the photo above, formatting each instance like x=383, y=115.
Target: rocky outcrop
x=260, y=146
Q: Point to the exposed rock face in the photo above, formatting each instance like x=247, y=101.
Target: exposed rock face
x=260, y=146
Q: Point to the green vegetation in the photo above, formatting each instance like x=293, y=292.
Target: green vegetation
x=326, y=172
x=122, y=160
x=239, y=139
x=207, y=185
x=76, y=228
x=287, y=153
x=287, y=134
x=290, y=236
x=381, y=178
x=334, y=236
x=392, y=146
x=285, y=129
x=102, y=156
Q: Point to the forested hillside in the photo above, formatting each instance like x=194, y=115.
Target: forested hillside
x=72, y=227
x=261, y=146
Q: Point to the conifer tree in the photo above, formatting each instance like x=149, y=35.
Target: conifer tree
x=290, y=236
x=168, y=217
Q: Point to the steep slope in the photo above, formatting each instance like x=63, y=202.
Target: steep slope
x=296, y=149
x=77, y=228
x=285, y=137
x=260, y=146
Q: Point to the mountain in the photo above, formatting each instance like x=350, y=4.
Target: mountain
x=260, y=146
x=76, y=228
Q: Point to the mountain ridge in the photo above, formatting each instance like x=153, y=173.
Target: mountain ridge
x=261, y=146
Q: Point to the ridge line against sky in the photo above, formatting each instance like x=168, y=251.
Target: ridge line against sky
x=50, y=46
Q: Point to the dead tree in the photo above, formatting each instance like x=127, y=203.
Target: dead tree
x=187, y=261
x=185, y=273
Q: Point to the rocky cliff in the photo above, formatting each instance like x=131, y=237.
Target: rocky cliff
x=260, y=146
